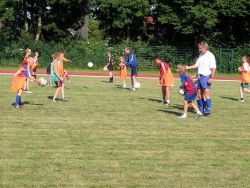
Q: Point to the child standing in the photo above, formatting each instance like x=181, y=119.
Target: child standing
x=190, y=91
x=19, y=79
x=34, y=66
x=245, y=81
x=123, y=70
x=110, y=67
x=166, y=79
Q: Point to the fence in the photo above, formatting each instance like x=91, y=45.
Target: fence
x=81, y=53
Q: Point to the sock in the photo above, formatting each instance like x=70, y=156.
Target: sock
x=198, y=104
x=201, y=106
x=204, y=104
x=18, y=99
x=209, y=105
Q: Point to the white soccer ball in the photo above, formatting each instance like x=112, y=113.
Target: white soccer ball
x=137, y=85
x=90, y=64
x=239, y=69
x=181, y=91
x=43, y=81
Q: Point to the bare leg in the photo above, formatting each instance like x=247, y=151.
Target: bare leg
x=163, y=88
x=167, y=93
x=56, y=93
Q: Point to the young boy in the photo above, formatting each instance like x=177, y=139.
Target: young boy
x=245, y=81
x=166, y=79
x=190, y=91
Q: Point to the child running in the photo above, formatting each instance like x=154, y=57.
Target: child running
x=166, y=79
x=123, y=70
x=245, y=81
x=190, y=91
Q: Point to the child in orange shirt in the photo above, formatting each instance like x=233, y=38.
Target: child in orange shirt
x=166, y=79
x=245, y=81
x=123, y=70
x=19, y=79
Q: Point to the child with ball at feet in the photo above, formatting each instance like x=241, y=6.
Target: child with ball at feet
x=190, y=91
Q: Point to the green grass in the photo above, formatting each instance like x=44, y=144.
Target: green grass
x=106, y=136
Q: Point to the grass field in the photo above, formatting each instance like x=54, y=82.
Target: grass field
x=106, y=136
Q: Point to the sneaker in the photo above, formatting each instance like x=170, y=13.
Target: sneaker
x=199, y=114
x=124, y=86
x=207, y=114
x=163, y=101
x=133, y=89
x=167, y=102
x=183, y=116
x=241, y=100
x=18, y=107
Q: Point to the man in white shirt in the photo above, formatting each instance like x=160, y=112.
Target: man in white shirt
x=206, y=65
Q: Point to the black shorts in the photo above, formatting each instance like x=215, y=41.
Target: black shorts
x=110, y=67
x=134, y=71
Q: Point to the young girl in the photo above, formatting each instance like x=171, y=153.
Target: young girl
x=123, y=70
x=166, y=79
x=110, y=67
x=34, y=66
x=26, y=87
x=19, y=80
x=245, y=81
x=190, y=91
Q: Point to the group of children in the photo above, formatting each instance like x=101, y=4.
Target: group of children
x=27, y=72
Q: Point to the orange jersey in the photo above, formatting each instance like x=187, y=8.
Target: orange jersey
x=123, y=72
x=245, y=79
x=58, y=68
x=18, y=80
x=168, y=79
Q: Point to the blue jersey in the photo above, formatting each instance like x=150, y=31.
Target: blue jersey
x=189, y=84
x=131, y=61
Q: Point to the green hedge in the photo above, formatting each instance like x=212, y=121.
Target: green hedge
x=82, y=52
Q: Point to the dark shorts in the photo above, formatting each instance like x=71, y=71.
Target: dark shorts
x=244, y=85
x=190, y=97
x=134, y=71
x=202, y=82
x=58, y=83
x=110, y=67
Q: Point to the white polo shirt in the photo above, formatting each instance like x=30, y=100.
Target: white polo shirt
x=205, y=63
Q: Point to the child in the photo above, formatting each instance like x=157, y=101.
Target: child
x=19, y=80
x=34, y=66
x=26, y=88
x=123, y=70
x=190, y=91
x=245, y=81
x=57, y=72
x=110, y=67
x=166, y=79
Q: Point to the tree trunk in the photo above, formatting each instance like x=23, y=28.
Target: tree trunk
x=25, y=15
x=85, y=29
x=128, y=34
x=39, y=28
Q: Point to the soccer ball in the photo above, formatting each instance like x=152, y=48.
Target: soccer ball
x=239, y=69
x=42, y=81
x=181, y=91
x=90, y=64
x=105, y=68
x=137, y=85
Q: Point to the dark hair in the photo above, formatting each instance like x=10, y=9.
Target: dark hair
x=158, y=57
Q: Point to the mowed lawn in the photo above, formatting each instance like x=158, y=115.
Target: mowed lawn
x=106, y=136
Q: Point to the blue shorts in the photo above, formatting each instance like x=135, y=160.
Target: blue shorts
x=134, y=71
x=202, y=82
x=190, y=97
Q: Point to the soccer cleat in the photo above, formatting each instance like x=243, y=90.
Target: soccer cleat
x=124, y=86
x=167, y=102
x=199, y=114
x=65, y=99
x=27, y=91
x=183, y=116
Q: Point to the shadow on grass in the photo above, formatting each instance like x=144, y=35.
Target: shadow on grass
x=150, y=99
x=229, y=98
x=28, y=103
x=171, y=112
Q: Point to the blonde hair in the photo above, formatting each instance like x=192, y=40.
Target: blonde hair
x=181, y=68
x=203, y=44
